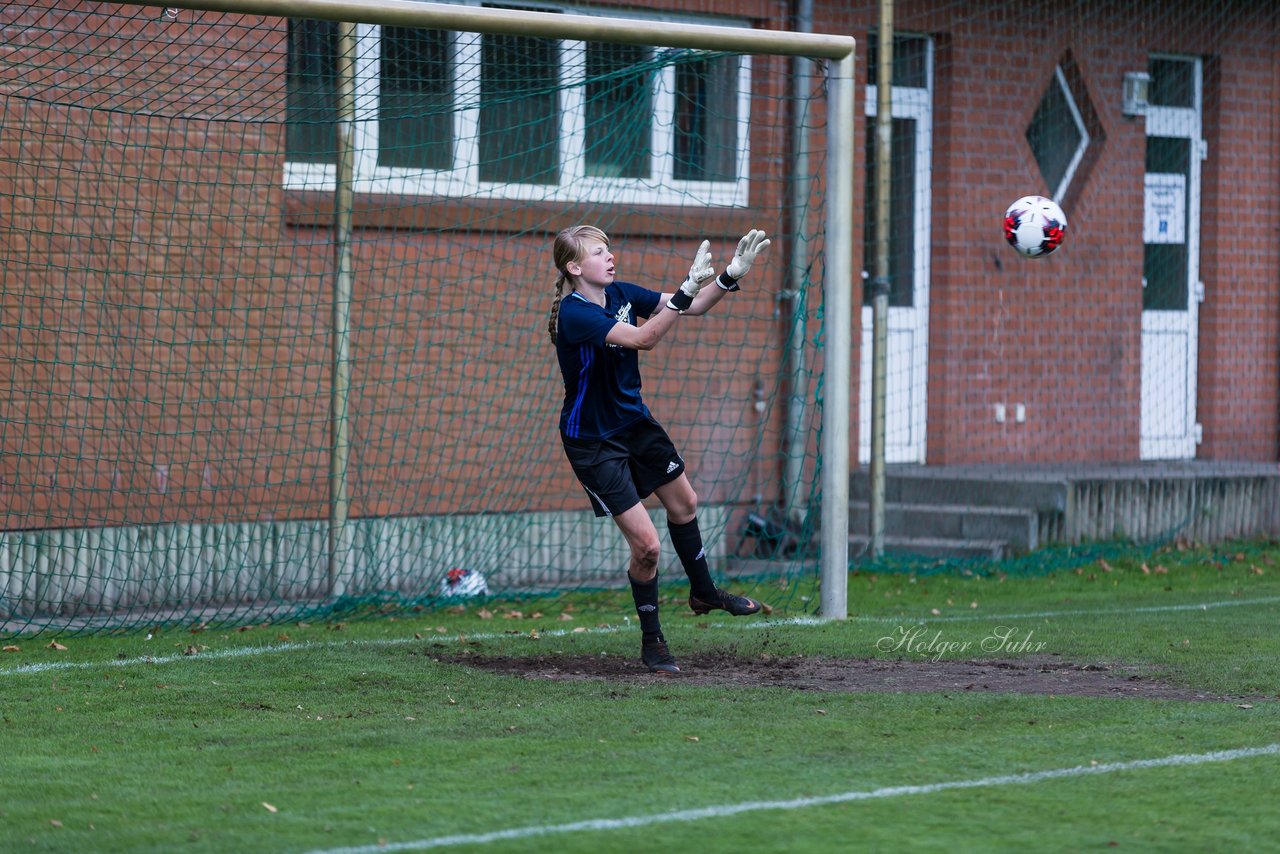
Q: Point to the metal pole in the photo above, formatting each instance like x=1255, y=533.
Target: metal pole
x=343, y=202
x=880, y=284
x=487, y=19
x=794, y=439
x=834, y=562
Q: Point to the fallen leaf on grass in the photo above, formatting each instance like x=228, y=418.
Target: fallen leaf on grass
x=55, y=645
x=268, y=807
x=55, y=822
x=484, y=614
x=565, y=617
x=1245, y=706
x=690, y=738
x=12, y=648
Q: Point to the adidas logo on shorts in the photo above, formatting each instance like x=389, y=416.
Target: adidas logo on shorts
x=672, y=466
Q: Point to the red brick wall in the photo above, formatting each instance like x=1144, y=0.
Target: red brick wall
x=114, y=305
x=165, y=309
x=1062, y=334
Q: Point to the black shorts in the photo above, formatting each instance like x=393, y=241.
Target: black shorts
x=619, y=471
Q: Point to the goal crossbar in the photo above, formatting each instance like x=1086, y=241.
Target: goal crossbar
x=543, y=24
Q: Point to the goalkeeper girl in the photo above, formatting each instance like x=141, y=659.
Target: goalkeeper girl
x=618, y=451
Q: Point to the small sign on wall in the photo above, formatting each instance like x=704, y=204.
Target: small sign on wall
x=1165, y=219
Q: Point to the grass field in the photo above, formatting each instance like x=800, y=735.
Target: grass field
x=409, y=734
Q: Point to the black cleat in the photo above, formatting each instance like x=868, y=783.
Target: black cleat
x=658, y=658
x=738, y=606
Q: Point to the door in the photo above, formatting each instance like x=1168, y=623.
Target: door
x=909, y=237
x=1171, y=287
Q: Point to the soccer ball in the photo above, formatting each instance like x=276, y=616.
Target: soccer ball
x=1034, y=226
x=463, y=584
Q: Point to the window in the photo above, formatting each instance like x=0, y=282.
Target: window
x=311, y=104
x=1057, y=135
x=619, y=111
x=1172, y=82
x=493, y=116
x=908, y=166
x=415, y=99
x=910, y=60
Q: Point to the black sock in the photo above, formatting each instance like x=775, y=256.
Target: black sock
x=687, y=539
x=646, y=595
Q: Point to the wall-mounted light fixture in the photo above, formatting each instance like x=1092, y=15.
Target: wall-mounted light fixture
x=1137, y=88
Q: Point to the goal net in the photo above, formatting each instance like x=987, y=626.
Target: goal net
x=273, y=315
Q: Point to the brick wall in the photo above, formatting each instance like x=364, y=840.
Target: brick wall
x=130, y=248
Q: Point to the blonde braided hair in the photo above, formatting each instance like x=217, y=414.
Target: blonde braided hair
x=567, y=249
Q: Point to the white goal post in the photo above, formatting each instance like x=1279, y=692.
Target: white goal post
x=839, y=282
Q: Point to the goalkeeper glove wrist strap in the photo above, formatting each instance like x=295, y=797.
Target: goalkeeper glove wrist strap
x=727, y=282
x=680, y=301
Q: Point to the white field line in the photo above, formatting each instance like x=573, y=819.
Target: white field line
x=1035, y=615
x=272, y=649
x=726, y=810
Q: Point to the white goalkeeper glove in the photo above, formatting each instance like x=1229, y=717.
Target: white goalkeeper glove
x=699, y=272
x=749, y=248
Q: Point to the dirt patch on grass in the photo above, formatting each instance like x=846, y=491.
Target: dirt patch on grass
x=1043, y=675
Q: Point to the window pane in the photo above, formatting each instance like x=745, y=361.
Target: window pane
x=619, y=111
x=910, y=60
x=1164, y=267
x=706, y=120
x=311, y=104
x=415, y=106
x=519, y=113
x=1054, y=135
x=1172, y=83
x=902, y=211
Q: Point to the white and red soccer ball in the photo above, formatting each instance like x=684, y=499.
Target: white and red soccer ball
x=1035, y=226
x=463, y=584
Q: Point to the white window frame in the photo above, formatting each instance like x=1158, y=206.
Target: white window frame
x=462, y=180
x=1060, y=191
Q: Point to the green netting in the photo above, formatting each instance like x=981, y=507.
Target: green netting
x=169, y=282
x=169, y=263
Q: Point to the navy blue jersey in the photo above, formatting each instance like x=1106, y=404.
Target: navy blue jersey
x=601, y=381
